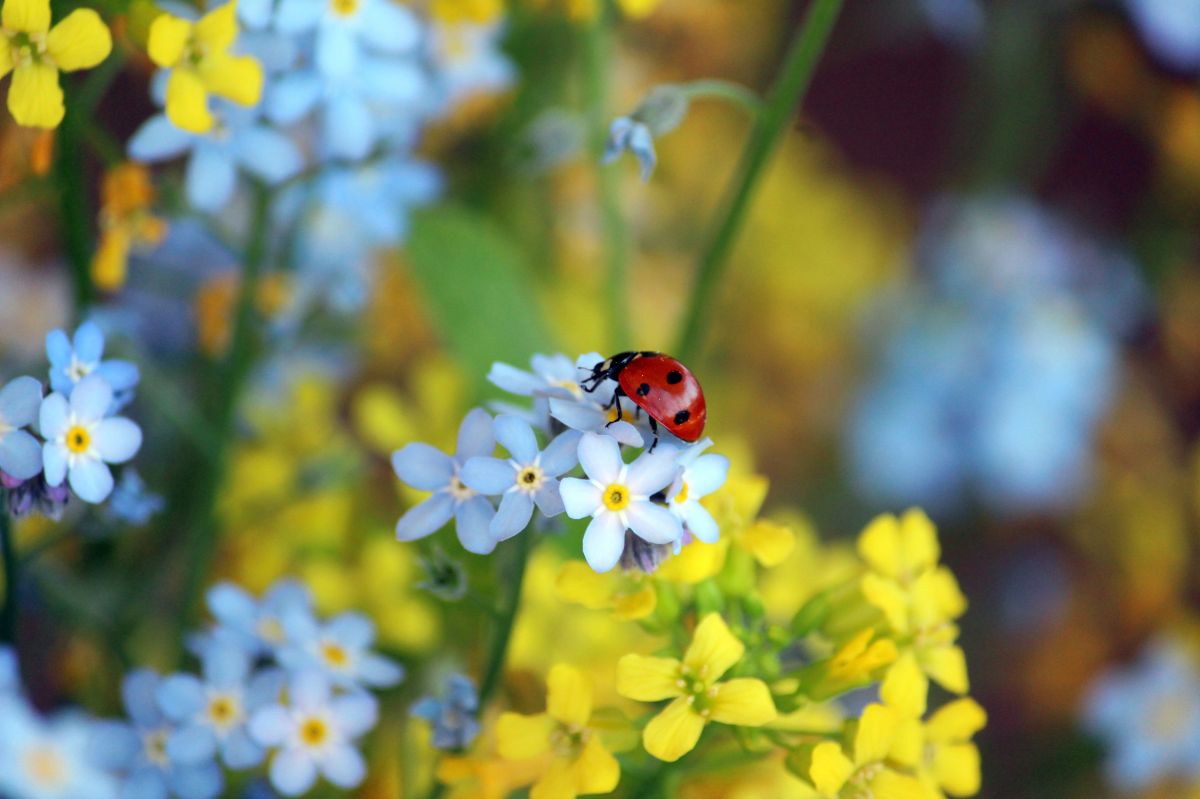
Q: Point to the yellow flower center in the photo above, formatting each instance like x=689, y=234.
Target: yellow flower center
x=335, y=655
x=45, y=767
x=569, y=385
x=270, y=630
x=28, y=48
x=460, y=490
x=530, y=479
x=612, y=413
x=682, y=496
x=78, y=440
x=155, y=745
x=344, y=8
x=616, y=497
x=314, y=732
x=224, y=711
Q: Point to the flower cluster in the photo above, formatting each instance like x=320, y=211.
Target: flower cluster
x=277, y=688
x=81, y=433
x=639, y=510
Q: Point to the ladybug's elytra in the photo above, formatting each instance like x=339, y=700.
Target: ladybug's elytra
x=658, y=384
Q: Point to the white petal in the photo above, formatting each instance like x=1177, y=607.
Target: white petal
x=707, y=474
x=516, y=509
x=600, y=456
x=652, y=472
x=54, y=461
x=292, y=772
x=701, y=522
x=653, y=523
x=20, y=454
x=52, y=416
x=344, y=767
x=116, y=440
x=516, y=436
x=91, y=480
x=91, y=398
x=580, y=498
x=271, y=726
x=603, y=542
x=356, y=713
x=514, y=380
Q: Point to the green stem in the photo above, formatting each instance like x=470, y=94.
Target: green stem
x=229, y=380
x=74, y=214
x=596, y=67
x=8, y=553
x=494, y=667
x=727, y=90
x=794, y=77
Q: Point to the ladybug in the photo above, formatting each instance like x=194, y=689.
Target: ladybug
x=658, y=384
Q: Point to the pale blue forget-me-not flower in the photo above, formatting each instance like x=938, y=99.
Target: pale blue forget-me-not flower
x=339, y=648
x=453, y=716
x=20, y=452
x=72, y=359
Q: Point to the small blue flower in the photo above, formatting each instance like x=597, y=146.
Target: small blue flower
x=20, y=453
x=131, y=502
x=468, y=59
x=56, y=758
x=1149, y=717
x=71, y=360
x=81, y=439
x=345, y=28
x=140, y=748
x=528, y=476
x=550, y=376
x=627, y=135
x=702, y=474
x=340, y=649
x=428, y=469
x=238, y=141
x=212, y=713
x=256, y=625
x=453, y=715
x=314, y=735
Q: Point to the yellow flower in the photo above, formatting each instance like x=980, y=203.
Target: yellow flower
x=478, y=12
x=735, y=506
x=35, y=53
x=919, y=598
x=125, y=222
x=579, y=763
x=861, y=766
x=692, y=685
x=629, y=595
x=853, y=665
x=197, y=54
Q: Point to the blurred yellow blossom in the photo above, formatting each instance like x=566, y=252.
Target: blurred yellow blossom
x=197, y=55
x=125, y=222
x=629, y=595
x=215, y=306
x=35, y=53
x=579, y=762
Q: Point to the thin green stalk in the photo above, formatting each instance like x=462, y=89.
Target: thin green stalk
x=75, y=217
x=786, y=95
x=727, y=90
x=229, y=380
x=494, y=667
x=8, y=553
x=597, y=51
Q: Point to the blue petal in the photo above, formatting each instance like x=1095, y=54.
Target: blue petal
x=423, y=466
x=472, y=520
x=147, y=783
x=268, y=154
x=426, y=518
x=562, y=454
x=490, y=476
x=91, y=481
x=389, y=27
x=137, y=692
x=293, y=97
x=475, y=435
x=192, y=745
x=158, y=140
x=180, y=696
x=19, y=401
x=89, y=343
x=121, y=375
x=226, y=665
x=516, y=436
x=240, y=752
x=197, y=782
x=348, y=128
x=378, y=671
x=336, y=51
x=211, y=178
x=20, y=454
x=58, y=348
x=352, y=630
x=298, y=16
x=516, y=509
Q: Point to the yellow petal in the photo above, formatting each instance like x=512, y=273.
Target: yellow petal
x=6, y=62
x=769, y=542
x=596, y=770
x=889, y=784
x=887, y=595
x=648, y=679
x=638, y=605
x=919, y=542
x=956, y=722
x=956, y=768
x=936, y=597
x=714, y=649
x=569, y=696
x=673, y=733
x=519, y=737
x=558, y=782
x=906, y=688
x=578, y=583
x=830, y=768
x=80, y=41
x=109, y=262
x=35, y=99
x=743, y=702
x=947, y=665
x=879, y=545
x=876, y=730
x=908, y=745
x=168, y=37
x=235, y=77
x=218, y=29
x=187, y=102
x=28, y=16
x=695, y=563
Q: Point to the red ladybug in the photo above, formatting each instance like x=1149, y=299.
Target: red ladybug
x=658, y=384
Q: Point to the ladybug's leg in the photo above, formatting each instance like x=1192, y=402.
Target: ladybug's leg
x=616, y=400
x=654, y=430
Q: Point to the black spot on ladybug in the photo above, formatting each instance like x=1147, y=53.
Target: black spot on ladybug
x=674, y=377
x=682, y=417
x=643, y=389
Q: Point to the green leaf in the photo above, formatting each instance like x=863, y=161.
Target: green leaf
x=478, y=288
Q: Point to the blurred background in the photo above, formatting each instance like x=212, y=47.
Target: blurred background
x=968, y=281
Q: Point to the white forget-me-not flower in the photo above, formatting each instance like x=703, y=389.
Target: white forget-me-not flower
x=703, y=473
x=53, y=758
x=340, y=649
